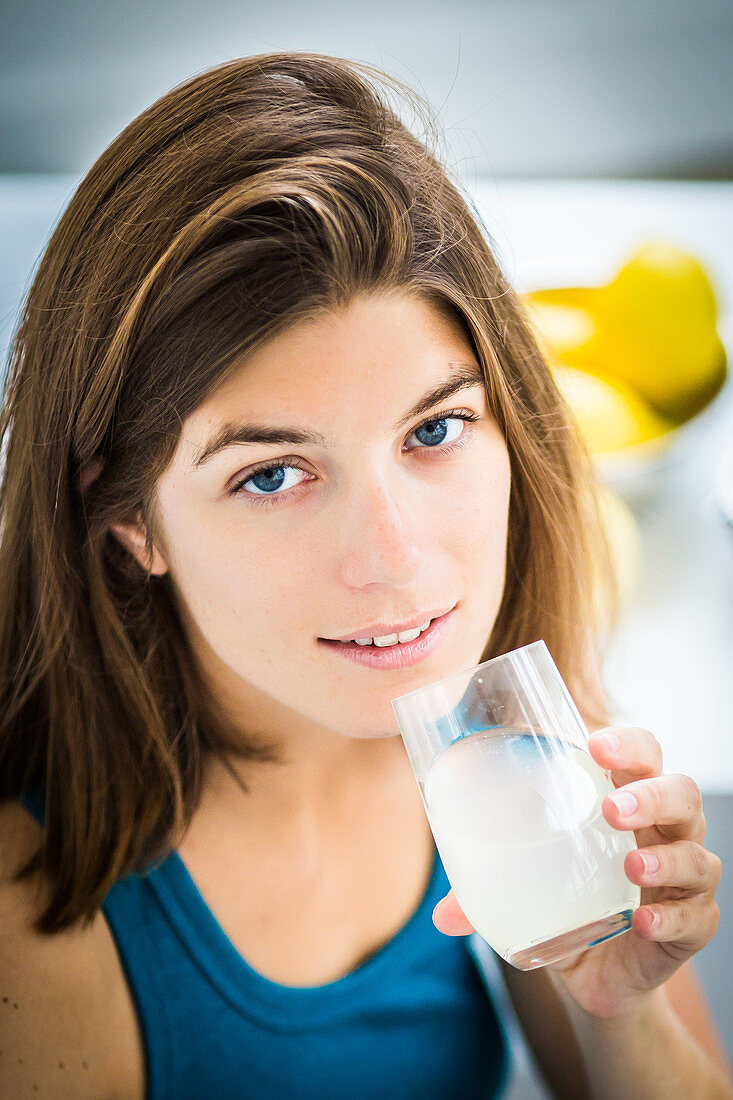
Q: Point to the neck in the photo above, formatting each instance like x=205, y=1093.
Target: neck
x=324, y=784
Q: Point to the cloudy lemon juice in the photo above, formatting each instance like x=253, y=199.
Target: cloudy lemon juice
x=517, y=821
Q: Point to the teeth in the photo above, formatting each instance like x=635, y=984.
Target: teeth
x=394, y=639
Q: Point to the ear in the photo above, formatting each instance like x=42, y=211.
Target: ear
x=132, y=535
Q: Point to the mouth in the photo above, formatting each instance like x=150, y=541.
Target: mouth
x=384, y=635
x=394, y=654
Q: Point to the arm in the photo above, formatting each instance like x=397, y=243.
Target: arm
x=686, y=995
x=64, y=1022
x=649, y=1053
x=548, y=1031
x=669, y=1051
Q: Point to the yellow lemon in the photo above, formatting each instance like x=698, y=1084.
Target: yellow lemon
x=609, y=414
x=656, y=330
x=564, y=324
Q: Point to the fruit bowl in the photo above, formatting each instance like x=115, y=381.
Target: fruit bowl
x=635, y=472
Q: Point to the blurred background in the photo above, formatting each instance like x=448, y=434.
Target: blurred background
x=570, y=88
x=595, y=142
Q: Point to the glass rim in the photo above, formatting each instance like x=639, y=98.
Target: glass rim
x=469, y=672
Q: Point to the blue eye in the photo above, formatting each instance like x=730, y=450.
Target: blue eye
x=269, y=478
x=436, y=430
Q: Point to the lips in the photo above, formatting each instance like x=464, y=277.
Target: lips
x=401, y=655
x=381, y=630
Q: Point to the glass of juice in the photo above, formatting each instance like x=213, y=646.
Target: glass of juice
x=513, y=797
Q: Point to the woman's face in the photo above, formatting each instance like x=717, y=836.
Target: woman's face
x=381, y=516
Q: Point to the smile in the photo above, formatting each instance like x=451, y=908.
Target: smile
x=394, y=651
x=395, y=639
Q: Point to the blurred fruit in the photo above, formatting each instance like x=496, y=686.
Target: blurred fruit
x=657, y=329
x=652, y=327
x=564, y=323
x=609, y=414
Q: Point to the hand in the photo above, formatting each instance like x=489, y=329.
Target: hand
x=678, y=914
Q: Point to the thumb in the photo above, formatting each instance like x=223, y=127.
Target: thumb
x=449, y=918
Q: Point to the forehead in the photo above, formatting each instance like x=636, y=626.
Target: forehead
x=381, y=352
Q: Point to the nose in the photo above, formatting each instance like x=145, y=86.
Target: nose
x=380, y=543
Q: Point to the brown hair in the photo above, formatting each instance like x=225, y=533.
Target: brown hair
x=252, y=196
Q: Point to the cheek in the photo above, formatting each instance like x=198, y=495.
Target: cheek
x=480, y=533
x=237, y=586
x=480, y=508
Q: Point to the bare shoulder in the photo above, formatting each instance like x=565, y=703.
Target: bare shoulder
x=67, y=1023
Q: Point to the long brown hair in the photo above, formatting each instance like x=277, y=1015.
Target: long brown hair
x=252, y=196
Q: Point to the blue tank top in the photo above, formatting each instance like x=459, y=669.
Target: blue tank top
x=416, y=1020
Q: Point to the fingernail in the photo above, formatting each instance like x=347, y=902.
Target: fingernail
x=651, y=863
x=625, y=803
x=611, y=741
x=655, y=918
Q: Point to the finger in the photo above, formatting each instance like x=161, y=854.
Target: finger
x=449, y=918
x=689, y=923
x=670, y=803
x=627, y=752
x=682, y=864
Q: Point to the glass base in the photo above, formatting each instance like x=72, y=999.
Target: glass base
x=569, y=943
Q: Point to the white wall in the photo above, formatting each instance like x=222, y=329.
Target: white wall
x=528, y=87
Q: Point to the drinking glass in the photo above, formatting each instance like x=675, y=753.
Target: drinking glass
x=513, y=797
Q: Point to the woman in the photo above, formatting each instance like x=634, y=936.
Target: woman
x=270, y=392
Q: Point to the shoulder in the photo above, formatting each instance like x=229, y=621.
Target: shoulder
x=63, y=1000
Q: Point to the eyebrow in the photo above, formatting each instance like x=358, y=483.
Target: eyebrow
x=468, y=374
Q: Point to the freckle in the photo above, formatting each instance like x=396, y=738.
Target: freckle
x=5, y=1000
x=20, y=1061
x=35, y=1088
x=85, y=1065
x=15, y=1006
x=61, y=1065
